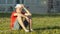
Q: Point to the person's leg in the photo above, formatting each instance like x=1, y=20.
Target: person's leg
x=30, y=20
x=21, y=23
x=16, y=25
x=30, y=23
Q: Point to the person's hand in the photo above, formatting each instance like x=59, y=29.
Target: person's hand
x=28, y=14
x=27, y=18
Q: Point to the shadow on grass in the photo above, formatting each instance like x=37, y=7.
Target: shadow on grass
x=47, y=28
x=46, y=15
x=2, y=15
x=33, y=15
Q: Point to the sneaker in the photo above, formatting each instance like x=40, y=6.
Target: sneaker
x=32, y=30
x=26, y=30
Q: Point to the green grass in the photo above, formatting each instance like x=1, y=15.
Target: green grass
x=42, y=24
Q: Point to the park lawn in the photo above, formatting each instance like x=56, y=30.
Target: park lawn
x=41, y=25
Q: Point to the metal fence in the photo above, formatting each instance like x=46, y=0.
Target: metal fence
x=36, y=6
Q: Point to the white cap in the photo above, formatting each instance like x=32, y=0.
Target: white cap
x=18, y=5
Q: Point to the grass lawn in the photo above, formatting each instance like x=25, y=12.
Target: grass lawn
x=42, y=24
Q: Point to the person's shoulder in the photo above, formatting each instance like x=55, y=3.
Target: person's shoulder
x=12, y=14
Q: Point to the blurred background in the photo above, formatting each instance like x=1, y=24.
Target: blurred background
x=35, y=6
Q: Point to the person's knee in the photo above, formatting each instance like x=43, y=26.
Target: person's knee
x=29, y=17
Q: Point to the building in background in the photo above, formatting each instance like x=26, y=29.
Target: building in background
x=35, y=6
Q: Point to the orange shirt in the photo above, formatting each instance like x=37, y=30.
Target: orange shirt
x=13, y=18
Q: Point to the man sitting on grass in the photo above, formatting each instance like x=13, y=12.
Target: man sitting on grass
x=17, y=18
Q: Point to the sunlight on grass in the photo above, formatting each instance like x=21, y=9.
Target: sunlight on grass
x=41, y=25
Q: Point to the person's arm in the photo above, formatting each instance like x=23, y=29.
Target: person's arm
x=23, y=16
x=27, y=11
x=15, y=14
